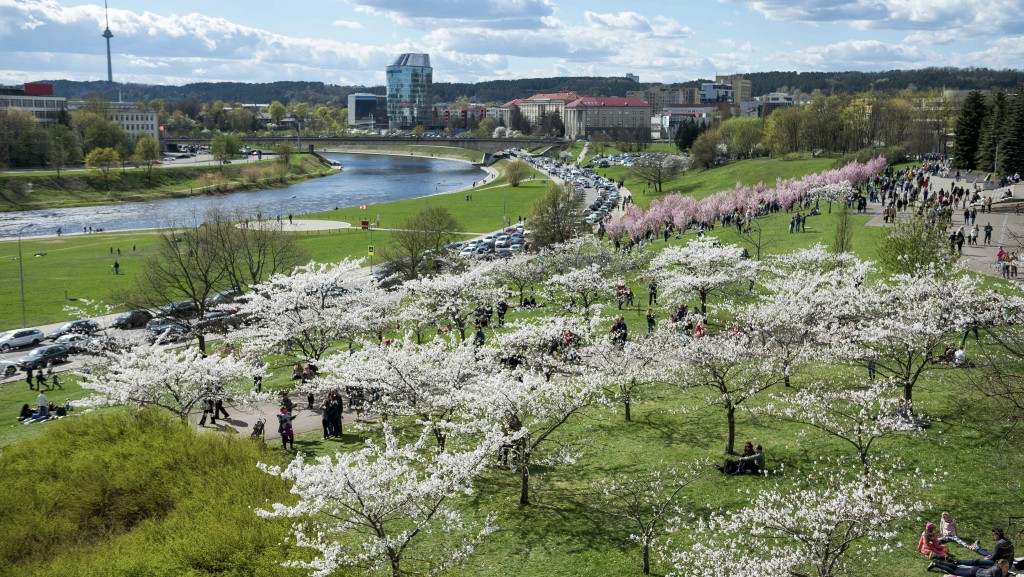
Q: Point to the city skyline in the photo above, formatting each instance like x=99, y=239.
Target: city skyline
x=350, y=42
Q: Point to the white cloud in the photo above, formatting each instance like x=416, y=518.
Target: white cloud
x=507, y=14
x=349, y=24
x=623, y=21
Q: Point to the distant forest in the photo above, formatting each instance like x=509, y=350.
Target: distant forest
x=502, y=91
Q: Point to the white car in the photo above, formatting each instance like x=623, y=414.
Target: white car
x=8, y=368
x=20, y=338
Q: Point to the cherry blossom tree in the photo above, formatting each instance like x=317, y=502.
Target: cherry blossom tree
x=702, y=268
x=858, y=415
x=626, y=369
x=425, y=381
x=301, y=314
x=646, y=500
x=734, y=368
x=905, y=318
x=172, y=379
x=371, y=508
x=520, y=272
x=531, y=409
x=816, y=527
x=452, y=298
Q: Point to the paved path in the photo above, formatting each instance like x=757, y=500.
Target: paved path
x=1004, y=220
x=242, y=419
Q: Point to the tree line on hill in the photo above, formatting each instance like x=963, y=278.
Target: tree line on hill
x=501, y=91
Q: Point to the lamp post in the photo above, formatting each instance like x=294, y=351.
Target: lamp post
x=21, y=275
x=504, y=205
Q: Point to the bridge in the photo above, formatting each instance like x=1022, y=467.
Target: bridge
x=486, y=145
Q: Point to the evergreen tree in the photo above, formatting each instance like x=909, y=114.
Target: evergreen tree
x=1011, y=151
x=993, y=132
x=968, y=130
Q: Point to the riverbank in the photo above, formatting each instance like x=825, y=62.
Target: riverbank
x=22, y=191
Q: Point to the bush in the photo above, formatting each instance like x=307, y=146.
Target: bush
x=124, y=494
x=893, y=154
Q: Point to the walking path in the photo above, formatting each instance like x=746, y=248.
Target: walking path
x=1006, y=222
x=243, y=419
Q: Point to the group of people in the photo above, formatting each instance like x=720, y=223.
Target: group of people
x=1007, y=263
x=304, y=373
x=751, y=462
x=41, y=378
x=989, y=563
x=330, y=415
x=44, y=411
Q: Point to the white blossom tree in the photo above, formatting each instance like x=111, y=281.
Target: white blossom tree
x=303, y=314
x=702, y=268
x=858, y=415
x=173, y=379
x=646, y=500
x=451, y=299
x=425, y=381
x=734, y=368
x=626, y=369
x=904, y=319
x=818, y=527
x=521, y=272
x=371, y=508
x=530, y=409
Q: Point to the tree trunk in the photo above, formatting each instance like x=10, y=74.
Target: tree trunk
x=730, y=415
x=908, y=390
x=201, y=341
x=524, y=491
x=628, y=418
x=396, y=569
x=647, y=559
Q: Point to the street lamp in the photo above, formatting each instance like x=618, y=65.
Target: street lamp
x=21, y=275
x=504, y=205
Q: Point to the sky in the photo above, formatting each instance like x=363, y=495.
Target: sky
x=350, y=42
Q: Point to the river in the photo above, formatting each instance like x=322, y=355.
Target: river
x=365, y=179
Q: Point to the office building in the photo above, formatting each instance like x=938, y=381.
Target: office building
x=361, y=110
x=410, y=92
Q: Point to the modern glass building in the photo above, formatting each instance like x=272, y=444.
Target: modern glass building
x=410, y=92
x=361, y=110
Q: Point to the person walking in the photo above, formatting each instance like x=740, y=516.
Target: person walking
x=988, y=233
x=28, y=378
x=284, y=427
x=117, y=267
x=650, y=321
x=652, y=292
x=218, y=408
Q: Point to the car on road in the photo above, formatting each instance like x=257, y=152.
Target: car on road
x=79, y=327
x=8, y=368
x=39, y=356
x=75, y=342
x=132, y=319
x=20, y=338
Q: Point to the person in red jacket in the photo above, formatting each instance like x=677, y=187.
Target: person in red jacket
x=929, y=544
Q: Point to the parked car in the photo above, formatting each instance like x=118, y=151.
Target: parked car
x=219, y=321
x=223, y=298
x=178, y=309
x=39, y=356
x=20, y=338
x=79, y=327
x=164, y=330
x=8, y=368
x=132, y=319
x=75, y=342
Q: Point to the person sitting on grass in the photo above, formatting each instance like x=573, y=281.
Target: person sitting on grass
x=929, y=545
x=26, y=412
x=1000, y=569
x=752, y=463
x=948, y=530
x=1003, y=550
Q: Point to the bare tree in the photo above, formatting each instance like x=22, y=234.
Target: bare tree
x=418, y=242
x=516, y=171
x=253, y=246
x=657, y=169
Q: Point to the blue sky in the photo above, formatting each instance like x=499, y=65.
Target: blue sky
x=351, y=41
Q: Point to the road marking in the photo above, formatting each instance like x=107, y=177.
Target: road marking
x=1002, y=229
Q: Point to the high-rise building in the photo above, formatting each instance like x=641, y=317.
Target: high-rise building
x=410, y=91
x=742, y=88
